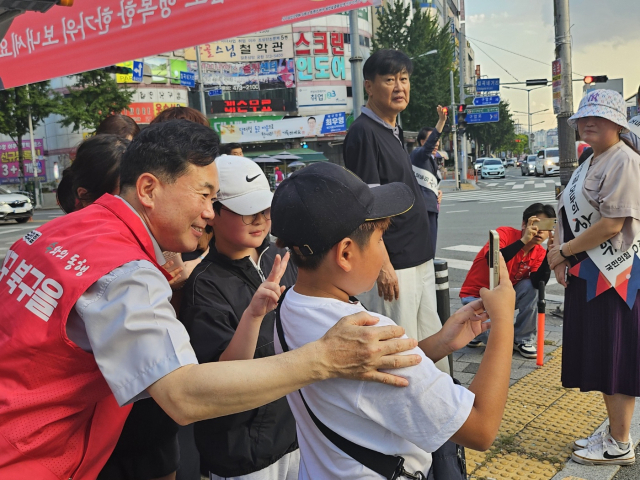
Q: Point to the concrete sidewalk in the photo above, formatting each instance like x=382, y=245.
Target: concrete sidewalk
x=541, y=418
x=449, y=185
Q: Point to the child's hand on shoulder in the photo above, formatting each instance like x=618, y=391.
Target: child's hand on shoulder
x=266, y=297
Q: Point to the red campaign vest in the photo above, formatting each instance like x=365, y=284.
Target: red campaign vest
x=58, y=417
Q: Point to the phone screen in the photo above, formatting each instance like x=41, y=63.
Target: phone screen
x=546, y=224
x=494, y=262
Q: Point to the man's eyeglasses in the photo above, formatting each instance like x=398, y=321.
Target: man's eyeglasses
x=250, y=219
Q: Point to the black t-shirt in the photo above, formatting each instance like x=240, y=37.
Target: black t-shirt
x=375, y=154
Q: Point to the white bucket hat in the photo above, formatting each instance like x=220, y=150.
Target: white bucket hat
x=602, y=103
x=244, y=188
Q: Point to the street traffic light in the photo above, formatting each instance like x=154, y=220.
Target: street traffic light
x=462, y=118
x=118, y=70
x=589, y=79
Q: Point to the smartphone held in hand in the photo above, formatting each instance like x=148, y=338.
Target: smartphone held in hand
x=545, y=224
x=494, y=259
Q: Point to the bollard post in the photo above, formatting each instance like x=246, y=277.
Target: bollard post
x=442, y=296
x=541, y=317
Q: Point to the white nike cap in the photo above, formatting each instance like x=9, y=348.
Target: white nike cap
x=244, y=188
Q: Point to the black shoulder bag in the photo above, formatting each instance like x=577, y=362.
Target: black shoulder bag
x=448, y=462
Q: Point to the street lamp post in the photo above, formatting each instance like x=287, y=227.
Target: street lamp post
x=528, y=90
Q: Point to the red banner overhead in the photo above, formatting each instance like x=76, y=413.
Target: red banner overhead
x=96, y=33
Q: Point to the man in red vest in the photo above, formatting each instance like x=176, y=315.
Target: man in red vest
x=87, y=328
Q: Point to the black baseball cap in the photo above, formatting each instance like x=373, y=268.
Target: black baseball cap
x=319, y=205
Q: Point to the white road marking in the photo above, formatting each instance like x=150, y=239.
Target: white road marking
x=457, y=264
x=516, y=206
x=510, y=183
x=540, y=185
x=491, y=184
x=464, y=248
x=549, y=180
x=456, y=211
x=11, y=230
x=529, y=182
x=516, y=187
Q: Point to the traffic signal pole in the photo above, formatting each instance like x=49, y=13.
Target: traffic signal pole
x=454, y=133
x=463, y=95
x=566, y=134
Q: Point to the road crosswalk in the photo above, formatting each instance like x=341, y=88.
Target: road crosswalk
x=542, y=183
x=497, y=196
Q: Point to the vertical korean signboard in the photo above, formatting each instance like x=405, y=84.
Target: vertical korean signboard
x=556, y=79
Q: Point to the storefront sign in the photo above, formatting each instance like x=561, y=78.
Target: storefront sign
x=217, y=123
x=140, y=112
x=320, y=68
x=245, y=49
x=144, y=112
x=242, y=77
x=298, y=127
x=322, y=96
x=10, y=164
x=94, y=33
x=168, y=95
x=248, y=106
x=319, y=43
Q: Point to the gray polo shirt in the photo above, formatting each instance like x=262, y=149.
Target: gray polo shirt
x=126, y=320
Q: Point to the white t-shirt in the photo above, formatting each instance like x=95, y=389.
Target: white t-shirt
x=409, y=422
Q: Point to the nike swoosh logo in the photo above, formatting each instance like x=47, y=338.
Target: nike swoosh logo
x=608, y=456
x=252, y=179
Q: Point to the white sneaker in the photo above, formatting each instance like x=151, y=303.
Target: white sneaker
x=606, y=452
x=595, y=438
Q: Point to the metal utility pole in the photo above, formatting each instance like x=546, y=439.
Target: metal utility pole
x=203, y=108
x=463, y=95
x=454, y=133
x=34, y=160
x=566, y=134
x=357, y=82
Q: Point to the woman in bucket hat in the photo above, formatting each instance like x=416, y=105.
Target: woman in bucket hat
x=595, y=257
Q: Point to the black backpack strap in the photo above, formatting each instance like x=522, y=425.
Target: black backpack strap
x=389, y=466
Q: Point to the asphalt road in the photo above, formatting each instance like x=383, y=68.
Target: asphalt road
x=467, y=216
x=10, y=231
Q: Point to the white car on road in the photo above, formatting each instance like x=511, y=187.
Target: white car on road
x=14, y=206
x=548, y=162
x=492, y=167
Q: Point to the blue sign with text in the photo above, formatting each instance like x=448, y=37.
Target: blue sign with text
x=137, y=71
x=488, y=100
x=215, y=92
x=483, y=115
x=187, y=79
x=488, y=85
x=334, y=123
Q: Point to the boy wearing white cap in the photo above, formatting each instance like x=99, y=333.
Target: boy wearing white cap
x=224, y=324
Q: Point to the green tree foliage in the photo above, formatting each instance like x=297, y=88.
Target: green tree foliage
x=517, y=145
x=493, y=136
x=16, y=104
x=416, y=35
x=94, y=97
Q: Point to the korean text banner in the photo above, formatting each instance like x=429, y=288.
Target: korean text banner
x=10, y=163
x=96, y=33
x=298, y=127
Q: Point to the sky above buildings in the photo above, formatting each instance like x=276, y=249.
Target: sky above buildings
x=605, y=41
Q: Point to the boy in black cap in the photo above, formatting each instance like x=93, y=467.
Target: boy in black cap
x=333, y=224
